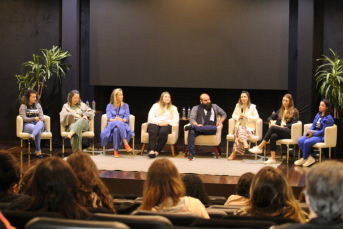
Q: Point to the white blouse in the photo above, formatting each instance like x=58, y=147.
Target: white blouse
x=156, y=117
x=250, y=112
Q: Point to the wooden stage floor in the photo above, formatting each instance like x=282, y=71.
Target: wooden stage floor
x=123, y=182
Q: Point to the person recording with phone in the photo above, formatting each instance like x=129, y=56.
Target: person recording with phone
x=245, y=114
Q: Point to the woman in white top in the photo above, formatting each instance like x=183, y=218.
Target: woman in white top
x=162, y=116
x=245, y=114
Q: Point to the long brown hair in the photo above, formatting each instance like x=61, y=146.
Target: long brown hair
x=26, y=97
x=161, y=103
x=54, y=189
x=163, y=182
x=290, y=109
x=89, y=181
x=240, y=101
x=70, y=96
x=271, y=195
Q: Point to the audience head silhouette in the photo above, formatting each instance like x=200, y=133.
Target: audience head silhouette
x=54, y=189
x=162, y=185
x=324, y=190
x=243, y=185
x=91, y=190
x=271, y=195
x=9, y=173
x=195, y=188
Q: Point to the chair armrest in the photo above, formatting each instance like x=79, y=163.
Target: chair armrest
x=47, y=123
x=259, y=128
x=296, y=131
x=175, y=131
x=330, y=136
x=132, y=122
x=91, y=125
x=144, y=128
x=103, y=122
x=307, y=127
x=20, y=125
x=231, y=124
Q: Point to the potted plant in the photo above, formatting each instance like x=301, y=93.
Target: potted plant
x=329, y=77
x=37, y=73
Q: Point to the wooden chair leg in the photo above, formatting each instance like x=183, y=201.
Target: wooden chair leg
x=50, y=147
x=172, y=149
x=63, y=146
x=133, y=146
x=93, y=146
x=216, y=151
x=219, y=150
x=103, y=150
x=143, y=147
x=330, y=153
x=281, y=150
x=287, y=153
x=227, y=149
x=186, y=151
x=320, y=154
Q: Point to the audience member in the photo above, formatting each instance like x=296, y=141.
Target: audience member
x=54, y=189
x=26, y=179
x=9, y=177
x=91, y=190
x=242, y=191
x=195, y=188
x=271, y=195
x=164, y=191
x=324, y=195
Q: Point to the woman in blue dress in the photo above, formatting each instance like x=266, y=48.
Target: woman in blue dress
x=118, y=128
x=322, y=120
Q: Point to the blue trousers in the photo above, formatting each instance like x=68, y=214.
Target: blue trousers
x=119, y=133
x=305, y=144
x=196, y=131
x=36, y=129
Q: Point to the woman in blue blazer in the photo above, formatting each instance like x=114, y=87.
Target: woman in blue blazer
x=322, y=120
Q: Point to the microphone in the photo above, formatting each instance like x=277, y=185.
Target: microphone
x=241, y=109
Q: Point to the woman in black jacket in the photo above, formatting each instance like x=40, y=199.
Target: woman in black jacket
x=280, y=127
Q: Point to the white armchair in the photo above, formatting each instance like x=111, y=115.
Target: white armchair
x=230, y=137
x=207, y=140
x=132, y=125
x=172, y=137
x=86, y=134
x=26, y=136
x=296, y=133
x=330, y=139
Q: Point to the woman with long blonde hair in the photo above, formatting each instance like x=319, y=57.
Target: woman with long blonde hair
x=162, y=116
x=280, y=127
x=271, y=195
x=118, y=128
x=164, y=191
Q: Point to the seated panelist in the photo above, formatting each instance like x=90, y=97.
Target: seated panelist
x=203, y=121
x=75, y=116
x=162, y=116
x=322, y=120
x=118, y=128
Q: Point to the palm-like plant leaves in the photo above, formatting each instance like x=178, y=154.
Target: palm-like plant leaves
x=37, y=73
x=329, y=78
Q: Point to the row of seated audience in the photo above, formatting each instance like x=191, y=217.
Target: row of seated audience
x=75, y=116
x=73, y=188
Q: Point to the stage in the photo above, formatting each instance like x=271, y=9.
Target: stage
x=131, y=182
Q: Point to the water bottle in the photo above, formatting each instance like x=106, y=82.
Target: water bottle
x=87, y=103
x=189, y=112
x=183, y=112
x=273, y=113
x=93, y=105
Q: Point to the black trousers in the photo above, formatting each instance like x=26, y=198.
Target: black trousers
x=275, y=133
x=160, y=132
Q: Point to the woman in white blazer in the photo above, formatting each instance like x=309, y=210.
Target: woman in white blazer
x=245, y=114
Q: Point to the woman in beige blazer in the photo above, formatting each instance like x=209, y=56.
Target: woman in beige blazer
x=245, y=114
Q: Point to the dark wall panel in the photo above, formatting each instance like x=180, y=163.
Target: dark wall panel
x=26, y=28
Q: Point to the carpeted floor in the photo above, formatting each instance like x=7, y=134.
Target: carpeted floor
x=204, y=163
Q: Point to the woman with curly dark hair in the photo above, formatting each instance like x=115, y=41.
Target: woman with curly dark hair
x=271, y=195
x=315, y=134
x=195, y=188
x=32, y=113
x=54, y=189
x=91, y=190
x=242, y=191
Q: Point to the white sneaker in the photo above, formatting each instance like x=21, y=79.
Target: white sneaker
x=300, y=161
x=309, y=161
x=255, y=149
x=270, y=161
